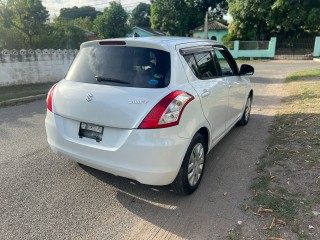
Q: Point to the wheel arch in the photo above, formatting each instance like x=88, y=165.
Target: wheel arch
x=251, y=94
x=206, y=134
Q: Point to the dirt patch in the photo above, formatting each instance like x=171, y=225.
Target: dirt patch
x=286, y=194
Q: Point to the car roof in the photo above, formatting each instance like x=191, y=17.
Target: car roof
x=161, y=42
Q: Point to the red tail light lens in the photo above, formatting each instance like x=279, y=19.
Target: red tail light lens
x=49, y=97
x=168, y=111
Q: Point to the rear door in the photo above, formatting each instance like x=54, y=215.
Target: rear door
x=236, y=85
x=211, y=88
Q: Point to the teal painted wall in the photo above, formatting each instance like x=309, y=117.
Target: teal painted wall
x=266, y=53
x=316, y=52
x=140, y=32
x=218, y=33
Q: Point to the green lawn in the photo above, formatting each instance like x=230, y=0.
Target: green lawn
x=303, y=75
x=23, y=90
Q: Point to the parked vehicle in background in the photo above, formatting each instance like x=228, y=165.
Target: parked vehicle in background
x=148, y=109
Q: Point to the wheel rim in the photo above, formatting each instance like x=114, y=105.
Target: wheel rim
x=248, y=109
x=195, y=166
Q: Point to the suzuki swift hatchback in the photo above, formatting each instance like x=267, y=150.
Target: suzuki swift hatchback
x=148, y=109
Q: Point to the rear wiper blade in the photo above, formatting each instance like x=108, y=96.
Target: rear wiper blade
x=108, y=79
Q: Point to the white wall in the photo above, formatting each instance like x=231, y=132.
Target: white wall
x=30, y=66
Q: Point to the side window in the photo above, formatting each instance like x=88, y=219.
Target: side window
x=202, y=65
x=226, y=67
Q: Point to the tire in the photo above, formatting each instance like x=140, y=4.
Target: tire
x=196, y=157
x=246, y=113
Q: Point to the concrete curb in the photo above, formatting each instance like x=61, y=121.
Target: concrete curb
x=316, y=59
x=23, y=100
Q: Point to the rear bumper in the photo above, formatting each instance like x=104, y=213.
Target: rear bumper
x=149, y=156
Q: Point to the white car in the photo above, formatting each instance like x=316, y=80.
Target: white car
x=148, y=109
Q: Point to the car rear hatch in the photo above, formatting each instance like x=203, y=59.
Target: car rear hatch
x=112, y=106
x=113, y=85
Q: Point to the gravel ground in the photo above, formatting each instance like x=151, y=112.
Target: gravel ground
x=43, y=196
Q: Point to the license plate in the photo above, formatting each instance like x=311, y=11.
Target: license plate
x=92, y=131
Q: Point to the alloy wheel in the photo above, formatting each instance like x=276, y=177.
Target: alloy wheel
x=195, y=165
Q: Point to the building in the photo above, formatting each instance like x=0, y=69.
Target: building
x=216, y=31
x=139, y=31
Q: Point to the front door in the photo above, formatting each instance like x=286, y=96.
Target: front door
x=211, y=88
x=236, y=86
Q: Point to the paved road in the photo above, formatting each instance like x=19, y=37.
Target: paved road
x=43, y=196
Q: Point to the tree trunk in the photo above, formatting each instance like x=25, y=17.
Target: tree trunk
x=30, y=41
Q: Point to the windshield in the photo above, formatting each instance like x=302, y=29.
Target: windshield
x=121, y=66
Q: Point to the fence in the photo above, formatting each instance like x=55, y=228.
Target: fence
x=28, y=66
x=284, y=49
x=301, y=48
x=252, y=49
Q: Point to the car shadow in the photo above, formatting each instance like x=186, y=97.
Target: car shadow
x=229, y=169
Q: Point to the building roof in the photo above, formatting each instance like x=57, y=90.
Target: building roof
x=214, y=25
x=154, y=32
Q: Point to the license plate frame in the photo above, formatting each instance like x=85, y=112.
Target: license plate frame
x=92, y=131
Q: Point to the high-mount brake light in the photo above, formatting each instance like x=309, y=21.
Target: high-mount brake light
x=112, y=43
x=167, y=112
x=50, y=97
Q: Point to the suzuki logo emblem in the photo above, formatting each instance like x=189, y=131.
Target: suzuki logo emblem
x=89, y=97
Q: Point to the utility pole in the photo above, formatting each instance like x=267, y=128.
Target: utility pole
x=206, y=26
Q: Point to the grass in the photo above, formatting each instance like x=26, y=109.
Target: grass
x=292, y=156
x=23, y=90
x=284, y=208
x=303, y=75
x=235, y=234
x=262, y=183
x=303, y=236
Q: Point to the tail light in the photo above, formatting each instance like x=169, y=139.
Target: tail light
x=49, y=97
x=167, y=112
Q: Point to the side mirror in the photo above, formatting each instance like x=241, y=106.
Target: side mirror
x=246, y=69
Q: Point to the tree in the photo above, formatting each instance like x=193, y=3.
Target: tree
x=170, y=16
x=140, y=15
x=249, y=19
x=11, y=38
x=83, y=23
x=25, y=16
x=75, y=12
x=113, y=22
x=64, y=34
x=294, y=18
x=217, y=8
x=178, y=17
x=261, y=19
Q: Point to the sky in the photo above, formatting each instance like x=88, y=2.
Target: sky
x=54, y=6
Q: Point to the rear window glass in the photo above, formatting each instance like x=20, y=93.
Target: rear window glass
x=121, y=66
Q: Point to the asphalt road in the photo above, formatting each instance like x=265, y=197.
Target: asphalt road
x=43, y=196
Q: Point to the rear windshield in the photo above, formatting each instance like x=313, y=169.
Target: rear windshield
x=121, y=66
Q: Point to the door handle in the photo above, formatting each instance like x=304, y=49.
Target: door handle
x=205, y=93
